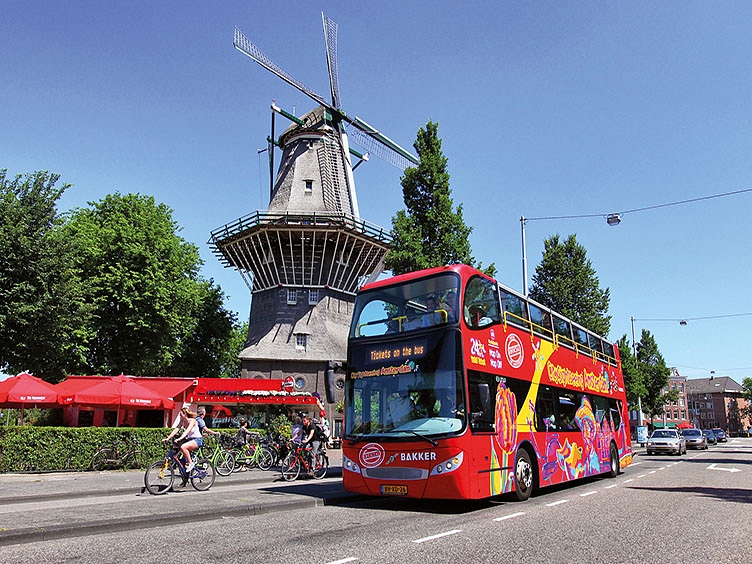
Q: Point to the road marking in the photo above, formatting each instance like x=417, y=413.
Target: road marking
x=627, y=481
x=557, y=502
x=642, y=475
x=510, y=516
x=609, y=487
x=343, y=561
x=715, y=467
x=661, y=468
x=434, y=537
x=588, y=493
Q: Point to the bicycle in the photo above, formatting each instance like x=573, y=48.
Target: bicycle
x=160, y=474
x=221, y=455
x=110, y=457
x=253, y=455
x=280, y=447
x=299, y=460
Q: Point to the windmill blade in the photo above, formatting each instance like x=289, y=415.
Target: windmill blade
x=330, y=38
x=244, y=45
x=380, y=145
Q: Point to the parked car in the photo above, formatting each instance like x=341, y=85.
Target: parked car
x=720, y=435
x=709, y=436
x=695, y=438
x=666, y=440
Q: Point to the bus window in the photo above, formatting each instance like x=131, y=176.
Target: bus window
x=481, y=303
x=580, y=337
x=545, y=416
x=481, y=385
x=541, y=320
x=608, y=350
x=594, y=343
x=514, y=308
x=615, y=408
x=563, y=330
x=566, y=408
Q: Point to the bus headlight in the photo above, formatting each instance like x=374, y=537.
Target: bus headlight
x=449, y=465
x=348, y=464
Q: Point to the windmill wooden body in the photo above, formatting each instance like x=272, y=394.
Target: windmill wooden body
x=308, y=253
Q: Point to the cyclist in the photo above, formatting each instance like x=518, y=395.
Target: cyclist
x=202, y=424
x=309, y=437
x=191, y=434
x=244, y=434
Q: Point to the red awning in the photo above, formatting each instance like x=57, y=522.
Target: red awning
x=247, y=390
x=25, y=390
x=122, y=391
x=167, y=387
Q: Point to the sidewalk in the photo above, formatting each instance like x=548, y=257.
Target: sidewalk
x=38, y=507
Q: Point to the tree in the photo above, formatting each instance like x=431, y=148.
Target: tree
x=429, y=232
x=747, y=386
x=209, y=342
x=566, y=282
x=40, y=300
x=633, y=378
x=151, y=312
x=654, y=375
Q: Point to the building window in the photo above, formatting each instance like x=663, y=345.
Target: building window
x=292, y=297
x=300, y=383
x=313, y=297
x=309, y=186
x=301, y=341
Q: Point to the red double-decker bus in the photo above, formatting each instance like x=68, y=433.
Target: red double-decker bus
x=460, y=388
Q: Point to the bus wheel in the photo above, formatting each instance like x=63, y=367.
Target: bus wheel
x=523, y=475
x=614, y=470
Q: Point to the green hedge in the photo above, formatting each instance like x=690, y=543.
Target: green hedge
x=57, y=449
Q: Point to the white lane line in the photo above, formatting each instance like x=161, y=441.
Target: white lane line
x=651, y=472
x=661, y=468
x=611, y=486
x=588, y=493
x=434, y=537
x=343, y=561
x=557, y=502
x=642, y=475
x=513, y=515
x=630, y=480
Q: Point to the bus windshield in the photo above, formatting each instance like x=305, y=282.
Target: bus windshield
x=403, y=388
x=406, y=307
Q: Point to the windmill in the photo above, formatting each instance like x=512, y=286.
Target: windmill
x=308, y=253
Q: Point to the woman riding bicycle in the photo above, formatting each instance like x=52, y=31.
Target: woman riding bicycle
x=191, y=435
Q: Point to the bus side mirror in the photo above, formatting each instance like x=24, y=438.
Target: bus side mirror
x=331, y=366
x=484, y=395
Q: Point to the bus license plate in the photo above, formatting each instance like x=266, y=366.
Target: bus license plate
x=391, y=489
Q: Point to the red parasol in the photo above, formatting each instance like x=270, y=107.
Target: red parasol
x=26, y=390
x=122, y=391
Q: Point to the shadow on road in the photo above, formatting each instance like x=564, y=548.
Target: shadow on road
x=734, y=495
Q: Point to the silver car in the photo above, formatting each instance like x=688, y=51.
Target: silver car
x=695, y=438
x=666, y=440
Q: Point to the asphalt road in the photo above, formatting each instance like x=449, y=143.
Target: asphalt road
x=666, y=509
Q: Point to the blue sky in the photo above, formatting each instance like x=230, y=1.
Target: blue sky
x=544, y=108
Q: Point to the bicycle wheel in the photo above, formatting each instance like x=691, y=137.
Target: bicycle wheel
x=290, y=467
x=103, y=459
x=265, y=458
x=132, y=459
x=159, y=477
x=225, y=463
x=322, y=465
x=240, y=460
x=203, y=474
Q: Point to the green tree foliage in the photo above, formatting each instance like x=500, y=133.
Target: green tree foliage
x=40, y=299
x=429, y=232
x=633, y=379
x=152, y=314
x=566, y=282
x=747, y=386
x=654, y=375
